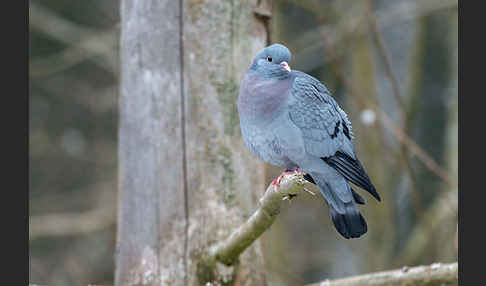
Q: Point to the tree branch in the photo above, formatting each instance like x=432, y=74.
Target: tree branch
x=82, y=42
x=227, y=251
x=102, y=216
x=63, y=224
x=431, y=275
x=414, y=149
x=102, y=44
x=444, y=209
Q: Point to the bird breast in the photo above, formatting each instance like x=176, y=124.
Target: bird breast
x=262, y=100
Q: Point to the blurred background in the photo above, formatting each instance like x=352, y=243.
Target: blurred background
x=391, y=65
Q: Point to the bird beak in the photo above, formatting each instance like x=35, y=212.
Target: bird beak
x=285, y=65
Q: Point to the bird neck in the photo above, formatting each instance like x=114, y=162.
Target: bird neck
x=261, y=98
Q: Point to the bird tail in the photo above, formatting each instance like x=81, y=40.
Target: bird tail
x=351, y=224
x=345, y=215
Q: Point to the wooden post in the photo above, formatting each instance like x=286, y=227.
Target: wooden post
x=186, y=180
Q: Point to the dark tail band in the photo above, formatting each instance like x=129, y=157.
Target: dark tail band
x=351, y=224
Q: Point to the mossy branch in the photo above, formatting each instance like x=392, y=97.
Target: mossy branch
x=430, y=275
x=228, y=251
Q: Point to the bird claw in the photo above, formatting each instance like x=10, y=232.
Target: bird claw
x=276, y=181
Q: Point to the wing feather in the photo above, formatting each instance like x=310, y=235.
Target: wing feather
x=326, y=129
x=324, y=125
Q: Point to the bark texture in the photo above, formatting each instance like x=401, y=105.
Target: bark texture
x=431, y=275
x=186, y=180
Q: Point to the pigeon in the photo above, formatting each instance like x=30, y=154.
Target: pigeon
x=289, y=119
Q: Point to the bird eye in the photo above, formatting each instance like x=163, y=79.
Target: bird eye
x=269, y=59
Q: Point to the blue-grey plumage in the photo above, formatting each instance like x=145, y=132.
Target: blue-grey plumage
x=289, y=119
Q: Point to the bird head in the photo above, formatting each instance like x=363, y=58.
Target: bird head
x=273, y=61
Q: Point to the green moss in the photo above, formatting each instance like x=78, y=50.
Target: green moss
x=227, y=97
x=205, y=270
x=227, y=187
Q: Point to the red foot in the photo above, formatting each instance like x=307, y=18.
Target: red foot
x=276, y=181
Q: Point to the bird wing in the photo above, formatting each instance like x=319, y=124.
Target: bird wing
x=324, y=125
x=326, y=129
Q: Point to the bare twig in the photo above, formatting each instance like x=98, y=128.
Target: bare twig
x=435, y=274
x=101, y=44
x=353, y=25
x=443, y=210
x=403, y=110
x=446, y=206
x=415, y=149
x=228, y=250
x=409, y=10
x=103, y=215
x=83, y=42
x=70, y=224
x=55, y=26
x=382, y=51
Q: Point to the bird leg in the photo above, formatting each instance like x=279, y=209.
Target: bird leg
x=276, y=181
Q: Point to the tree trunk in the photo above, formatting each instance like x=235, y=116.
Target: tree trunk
x=186, y=180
